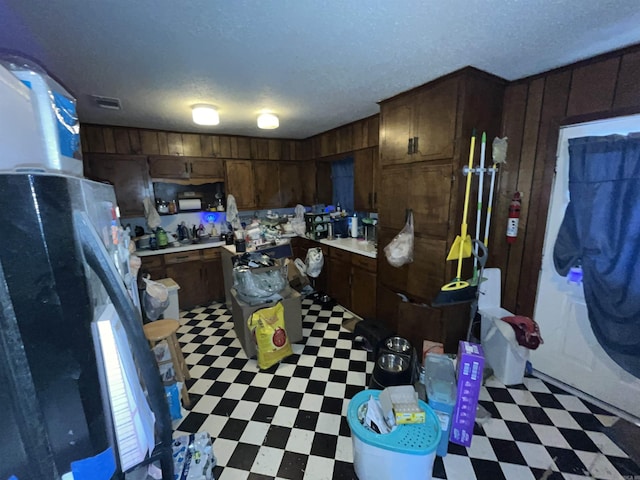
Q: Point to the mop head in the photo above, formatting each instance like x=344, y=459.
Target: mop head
x=454, y=293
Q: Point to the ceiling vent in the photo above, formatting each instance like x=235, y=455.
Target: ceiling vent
x=107, y=102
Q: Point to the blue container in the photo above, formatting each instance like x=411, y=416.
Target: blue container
x=440, y=384
x=407, y=453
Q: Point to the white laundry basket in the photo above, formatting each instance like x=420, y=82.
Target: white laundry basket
x=501, y=349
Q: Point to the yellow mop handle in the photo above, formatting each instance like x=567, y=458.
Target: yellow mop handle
x=467, y=193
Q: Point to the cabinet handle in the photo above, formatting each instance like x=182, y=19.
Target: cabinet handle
x=375, y=199
x=182, y=257
x=415, y=145
x=191, y=165
x=370, y=200
x=410, y=146
x=186, y=168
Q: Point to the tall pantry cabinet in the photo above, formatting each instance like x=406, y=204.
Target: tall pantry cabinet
x=424, y=144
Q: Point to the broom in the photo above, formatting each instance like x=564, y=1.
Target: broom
x=458, y=290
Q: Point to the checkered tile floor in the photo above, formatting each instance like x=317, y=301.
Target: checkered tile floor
x=289, y=422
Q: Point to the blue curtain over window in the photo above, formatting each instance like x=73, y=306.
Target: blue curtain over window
x=601, y=232
x=342, y=177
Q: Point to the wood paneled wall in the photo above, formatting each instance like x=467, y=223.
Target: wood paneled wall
x=136, y=141
x=534, y=110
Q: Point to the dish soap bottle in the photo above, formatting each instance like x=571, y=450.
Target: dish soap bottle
x=161, y=237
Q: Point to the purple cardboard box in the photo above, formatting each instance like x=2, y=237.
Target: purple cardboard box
x=469, y=373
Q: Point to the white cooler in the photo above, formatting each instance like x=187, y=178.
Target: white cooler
x=501, y=349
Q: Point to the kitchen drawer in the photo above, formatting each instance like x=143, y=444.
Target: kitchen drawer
x=363, y=262
x=341, y=255
x=152, y=261
x=211, y=253
x=182, y=257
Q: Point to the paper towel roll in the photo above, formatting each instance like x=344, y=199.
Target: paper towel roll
x=189, y=204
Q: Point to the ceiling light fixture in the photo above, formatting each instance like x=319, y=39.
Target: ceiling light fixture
x=268, y=121
x=205, y=115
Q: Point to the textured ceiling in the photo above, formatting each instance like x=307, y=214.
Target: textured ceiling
x=317, y=64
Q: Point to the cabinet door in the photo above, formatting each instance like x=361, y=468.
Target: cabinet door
x=363, y=177
x=267, y=184
x=129, y=176
x=210, y=168
x=339, y=282
x=396, y=119
x=240, y=182
x=363, y=293
x=290, y=184
x=154, y=266
x=189, y=276
x=429, y=194
x=394, y=196
x=434, y=126
x=168, y=167
x=214, y=283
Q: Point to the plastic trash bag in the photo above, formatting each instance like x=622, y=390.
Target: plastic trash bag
x=232, y=213
x=314, y=262
x=155, y=299
x=297, y=223
x=267, y=327
x=399, y=251
x=151, y=214
x=254, y=284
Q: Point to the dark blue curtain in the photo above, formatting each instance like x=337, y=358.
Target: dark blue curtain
x=342, y=177
x=601, y=232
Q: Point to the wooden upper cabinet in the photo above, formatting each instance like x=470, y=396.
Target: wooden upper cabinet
x=420, y=125
x=239, y=182
x=168, y=167
x=434, y=126
x=266, y=177
x=364, y=191
x=129, y=176
x=206, y=168
x=324, y=183
x=183, y=168
x=297, y=183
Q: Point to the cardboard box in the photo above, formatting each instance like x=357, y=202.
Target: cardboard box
x=297, y=279
x=470, y=365
x=241, y=311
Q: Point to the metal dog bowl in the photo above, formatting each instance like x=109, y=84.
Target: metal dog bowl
x=390, y=362
x=398, y=344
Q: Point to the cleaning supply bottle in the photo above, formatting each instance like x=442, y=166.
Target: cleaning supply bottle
x=161, y=237
x=353, y=226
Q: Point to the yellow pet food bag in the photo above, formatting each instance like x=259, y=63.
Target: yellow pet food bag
x=267, y=326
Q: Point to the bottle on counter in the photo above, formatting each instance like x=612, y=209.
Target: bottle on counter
x=161, y=238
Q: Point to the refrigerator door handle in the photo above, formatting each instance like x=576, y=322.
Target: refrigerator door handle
x=99, y=261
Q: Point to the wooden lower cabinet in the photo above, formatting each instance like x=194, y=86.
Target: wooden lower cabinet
x=339, y=281
x=197, y=272
x=352, y=281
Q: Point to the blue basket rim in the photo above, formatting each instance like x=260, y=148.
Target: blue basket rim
x=389, y=441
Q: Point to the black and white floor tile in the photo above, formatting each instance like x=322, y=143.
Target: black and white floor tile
x=289, y=422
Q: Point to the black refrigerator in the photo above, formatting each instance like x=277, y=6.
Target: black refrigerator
x=80, y=394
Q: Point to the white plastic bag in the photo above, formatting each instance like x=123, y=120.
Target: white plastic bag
x=400, y=250
x=297, y=223
x=155, y=299
x=314, y=262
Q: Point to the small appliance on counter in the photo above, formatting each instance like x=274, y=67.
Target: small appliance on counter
x=317, y=225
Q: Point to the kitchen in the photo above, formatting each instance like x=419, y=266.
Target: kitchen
x=529, y=111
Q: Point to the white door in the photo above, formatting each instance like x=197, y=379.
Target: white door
x=570, y=352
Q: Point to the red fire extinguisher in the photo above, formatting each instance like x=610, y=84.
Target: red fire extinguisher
x=514, y=218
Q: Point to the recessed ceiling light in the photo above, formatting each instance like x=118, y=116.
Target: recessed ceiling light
x=268, y=121
x=205, y=115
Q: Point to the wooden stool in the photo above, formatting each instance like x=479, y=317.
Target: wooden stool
x=166, y=330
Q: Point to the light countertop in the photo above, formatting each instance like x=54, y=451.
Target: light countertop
x=181, y=248
x=353, y=245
